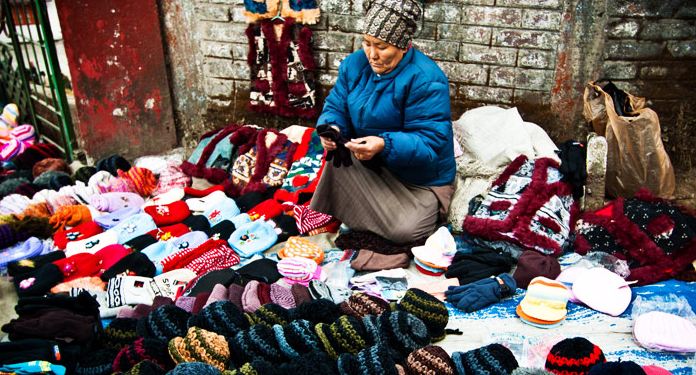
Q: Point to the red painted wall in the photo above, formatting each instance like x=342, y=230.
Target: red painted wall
x=116, y=60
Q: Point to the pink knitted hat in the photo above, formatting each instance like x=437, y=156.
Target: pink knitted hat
x=11, y=149
x=250, y=297
x=299, y=270
x=282, y=296
x=24, y=133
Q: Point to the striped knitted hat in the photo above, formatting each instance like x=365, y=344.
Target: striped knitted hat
x=143, y=180
x=11, y=149
x=145, y=368
x=259, y=341
x=282, y=295
x=493, y=359
x=574, y=355
x=200, y=345
x=270, y=314
x=345, y=335
x=430, y=360
x=403, y=333
x=361, y=304
x=297, y=338
x=164, y=323
x=119, y=333
x=427, y=308
x=143, y=349
x=9, y=115
x=221, y=317
x=24, y=133
x=371, y=360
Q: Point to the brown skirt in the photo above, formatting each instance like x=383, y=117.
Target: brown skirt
x=380, y=203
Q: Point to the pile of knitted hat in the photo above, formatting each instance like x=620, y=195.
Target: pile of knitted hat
x=225, y=337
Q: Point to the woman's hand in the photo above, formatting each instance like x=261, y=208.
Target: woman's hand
x=327, y=143
x=366, y=148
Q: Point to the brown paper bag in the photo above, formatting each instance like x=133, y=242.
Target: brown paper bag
x=636, y=157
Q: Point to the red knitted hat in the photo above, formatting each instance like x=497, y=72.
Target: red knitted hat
x=143, y=180
x=80, y=232
x=574, y=356
x=269, y=208
x=168, y=214
x=165, y=233
x=78, y=265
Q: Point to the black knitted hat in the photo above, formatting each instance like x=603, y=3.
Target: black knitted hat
x=97, y=362
x=221, y=317
x=345, y=335
x=256, y=342
x=84, y=173
x=270, y=314
x=145, y=367
x=112, y=164
x=574, y=355
x=198, y=223
x=493, y=359
x=617, y=368
x=140, y=242
x=134, y=264
x=119, y=333
x=427, y=308
x=371, y=360
x=297, y=338
x=403, y=333
x=316, y=311
x=143, y=349
x=164, y=323
x=311, y=363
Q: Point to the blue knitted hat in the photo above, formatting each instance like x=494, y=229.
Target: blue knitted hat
x=403, y=333
x=221, y=317
x=371, y=360
x=225, y=210
x=164, y=323
x=257, y=342
x=493, y=359
x=297, y=338
x=252, y=238
x=197, y=368
x=133, y=227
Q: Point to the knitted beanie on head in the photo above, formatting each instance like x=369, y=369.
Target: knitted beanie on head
x=574, y=355
x=427, y=308
x=493, y=359
x=200, y=345
x=393, y=21
x=429, y=360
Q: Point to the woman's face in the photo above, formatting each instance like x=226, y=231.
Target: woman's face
x=383, y=57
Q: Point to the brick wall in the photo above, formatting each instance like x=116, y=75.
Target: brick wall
x=534, y=54
x=651, y=51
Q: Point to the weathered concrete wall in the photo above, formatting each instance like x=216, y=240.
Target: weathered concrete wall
x=651, y=52
x=116, y=61
x=534, y=54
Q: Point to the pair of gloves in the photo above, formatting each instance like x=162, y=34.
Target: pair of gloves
x=341, y=155
x=482, y=293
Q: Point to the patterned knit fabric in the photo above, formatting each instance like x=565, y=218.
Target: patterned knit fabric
x=493, y=359
x=211, y=255
x=528, y=205
x=574, y=356
x=282, y=70
x=200, y=345
x=142, y=179
x=308, y=219
x=270, y=314
x=119, y=333
x=427, y=308
x=430, y=360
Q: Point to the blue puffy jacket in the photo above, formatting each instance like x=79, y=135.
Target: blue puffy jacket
x=408, y=107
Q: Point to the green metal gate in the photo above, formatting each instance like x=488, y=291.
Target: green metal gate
x=30, y=72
